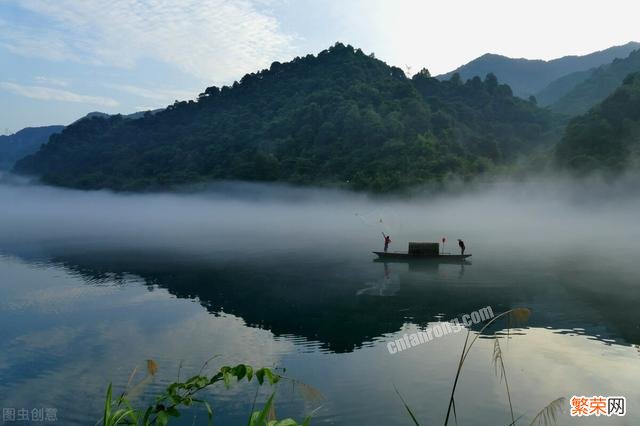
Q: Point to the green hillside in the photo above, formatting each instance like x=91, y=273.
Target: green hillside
x=607, y=138
x=601, y=82
x=25, y=142
x=339, y=118
x=560, y=87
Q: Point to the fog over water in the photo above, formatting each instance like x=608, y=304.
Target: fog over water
x=543, y=217
x=278, y=275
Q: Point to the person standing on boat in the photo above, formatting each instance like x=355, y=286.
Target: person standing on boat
x=387, y=241
x=461, y=244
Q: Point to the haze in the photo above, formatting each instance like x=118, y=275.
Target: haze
x=538, y=219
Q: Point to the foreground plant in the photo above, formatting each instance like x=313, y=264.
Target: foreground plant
x=545, y=417
x=180, y=395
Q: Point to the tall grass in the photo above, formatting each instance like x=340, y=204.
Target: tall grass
x=182, y=394
x=545, y=417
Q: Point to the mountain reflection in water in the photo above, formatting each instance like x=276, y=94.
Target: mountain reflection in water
x=93, y=284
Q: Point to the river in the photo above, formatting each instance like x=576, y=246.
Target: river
x=93, y=284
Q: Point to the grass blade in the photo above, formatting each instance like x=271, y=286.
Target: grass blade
x=406, y=407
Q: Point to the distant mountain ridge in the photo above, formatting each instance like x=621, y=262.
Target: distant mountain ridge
x=29, y=140
x=132, y=116
x=22, y=143
x=595, y=85
x=528, y=77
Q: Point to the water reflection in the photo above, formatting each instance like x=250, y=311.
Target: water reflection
x=344, y=303
x=98, y=282
x=327, y=319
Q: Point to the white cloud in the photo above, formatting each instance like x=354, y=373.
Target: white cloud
x=49, y=94
x=145, y=108
x=214, y=40
x=164, y=96
x=442, y=35
x=51, y=81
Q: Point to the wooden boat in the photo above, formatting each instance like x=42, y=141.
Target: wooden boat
x=421, y=251
x=399, y=256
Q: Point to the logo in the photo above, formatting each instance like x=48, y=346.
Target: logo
x=598, y=406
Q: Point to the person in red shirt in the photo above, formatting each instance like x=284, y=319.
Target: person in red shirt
x=387, y=241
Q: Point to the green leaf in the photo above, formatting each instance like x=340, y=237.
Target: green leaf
x=253, y=419
x=119, y=416
x=162, y=418
x=285, y=422
x=147, y=416
x=260, y=375
x=273, y=378
x=261, y=419
x=202, y=382
x=106, y=421
x=249, y=372
x=226, y=376
x=240, y=370
x=216, y=378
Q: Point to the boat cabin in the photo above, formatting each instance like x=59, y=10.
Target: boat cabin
x=424, y=249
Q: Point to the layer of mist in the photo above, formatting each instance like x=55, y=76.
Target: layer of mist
x=539, y=216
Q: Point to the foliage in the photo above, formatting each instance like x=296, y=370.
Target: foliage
x=600, y=83
x=606, y=139
x=339, y=118
x=490, y=122
x=25, y=142
x=179, y=395
x=517, y=315
x=560, y=87
x=547, y=416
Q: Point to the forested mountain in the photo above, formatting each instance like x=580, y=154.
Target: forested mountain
x=340, y=118
x=607, y=138
x=28, y=140
x=527, y=77
x=560, y=87
x=25, y=142
x=600, y=83
x=494, y=123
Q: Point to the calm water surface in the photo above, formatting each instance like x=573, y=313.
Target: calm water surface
x=92, y=285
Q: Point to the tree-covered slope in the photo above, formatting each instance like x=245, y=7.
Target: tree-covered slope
x=527, y=77
x=487, y=117
x=341, y=117
x=607, y=138
x=560, y=87
x=22, y=143
x=600, y=83
x=29, y=140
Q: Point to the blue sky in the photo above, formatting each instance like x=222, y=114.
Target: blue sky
x=60, y=59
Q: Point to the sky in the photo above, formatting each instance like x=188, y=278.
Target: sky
x=60, y=59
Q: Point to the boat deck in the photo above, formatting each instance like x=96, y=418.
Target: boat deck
x=404, y=257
